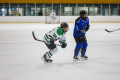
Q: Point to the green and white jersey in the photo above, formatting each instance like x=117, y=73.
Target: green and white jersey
x=56, y=34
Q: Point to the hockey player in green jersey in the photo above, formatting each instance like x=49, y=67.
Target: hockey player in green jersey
x=52, y=36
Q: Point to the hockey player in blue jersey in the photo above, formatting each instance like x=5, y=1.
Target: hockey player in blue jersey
x=81, y=26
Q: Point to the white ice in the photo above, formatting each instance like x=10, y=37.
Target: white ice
x=20, y=54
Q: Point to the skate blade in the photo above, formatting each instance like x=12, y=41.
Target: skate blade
x=43, y=60
x=84, y=58
x=76, y=60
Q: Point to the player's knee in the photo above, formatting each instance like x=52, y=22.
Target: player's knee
x=77, y=50
x=78, y=45
x=55, y=49
x=52, y=46
x=83, y=50
x=85, y=44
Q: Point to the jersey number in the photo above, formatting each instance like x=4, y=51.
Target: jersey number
x=55, y=36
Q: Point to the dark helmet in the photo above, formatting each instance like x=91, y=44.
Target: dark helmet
x=63, y=25
x=82, y=12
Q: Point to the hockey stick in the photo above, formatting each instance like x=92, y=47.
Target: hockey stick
x=41, y=40
x=112, y=31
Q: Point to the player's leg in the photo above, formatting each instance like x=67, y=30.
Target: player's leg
x=83, y=50
x=54, y=20
x=77, y=48
x=51, y=20
x=52, y=50
x=76, y=52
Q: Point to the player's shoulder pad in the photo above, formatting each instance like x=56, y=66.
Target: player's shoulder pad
x=78, y=21
x=87, y=19
x=59, y=31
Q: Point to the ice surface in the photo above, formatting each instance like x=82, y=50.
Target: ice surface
x=20, y=54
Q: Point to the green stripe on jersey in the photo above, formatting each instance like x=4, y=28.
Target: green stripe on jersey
x=46, y=39
x=49, y=38
x=59, y=31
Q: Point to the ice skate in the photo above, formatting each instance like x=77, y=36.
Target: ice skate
x=46, y=60
x=84, y=57
x=76, y=58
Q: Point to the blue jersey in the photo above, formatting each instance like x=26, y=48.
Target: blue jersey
x=80, y=26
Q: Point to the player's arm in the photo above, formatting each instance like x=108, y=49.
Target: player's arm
x=79, y=32
x=88, y=26
x=62, y=38
x=62, y=41
x=55, y=14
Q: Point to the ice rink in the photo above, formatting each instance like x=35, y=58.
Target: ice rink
x=20, y=54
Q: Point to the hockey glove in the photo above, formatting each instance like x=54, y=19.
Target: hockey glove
x=87, y=27
x=80, y=33
x=52, y=41
x=63, y=45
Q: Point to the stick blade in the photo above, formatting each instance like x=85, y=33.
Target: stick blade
x=107, y=30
